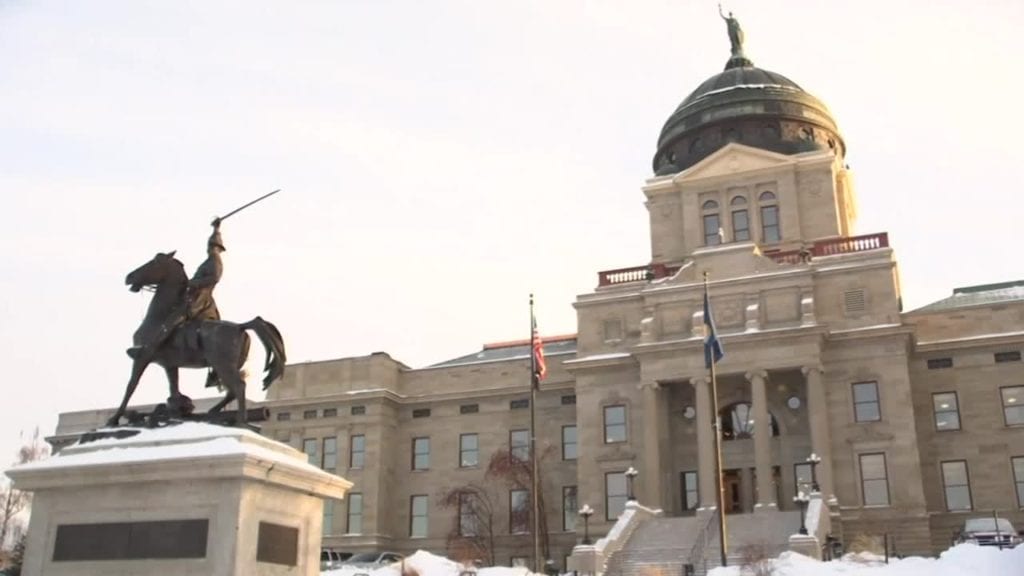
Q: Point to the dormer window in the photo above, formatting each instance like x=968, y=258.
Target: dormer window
x=712, y=223
x=769, y=205
x=740, y=219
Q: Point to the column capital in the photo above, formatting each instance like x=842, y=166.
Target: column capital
x=653, y=384
x=699, y=380
x=762, y=374
x=806, y=370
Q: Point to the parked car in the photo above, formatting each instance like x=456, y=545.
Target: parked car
x=372, y=560
x=331, y=559
x=989, y=531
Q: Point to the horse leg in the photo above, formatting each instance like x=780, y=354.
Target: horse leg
x=138, y=367
x=224, y=402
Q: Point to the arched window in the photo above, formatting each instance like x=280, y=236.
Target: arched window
x=740, y=219
x=769, y=205
x=738, y=422
x=712, y=223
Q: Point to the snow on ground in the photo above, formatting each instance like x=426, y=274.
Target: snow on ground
x=962, y=560
x=427, y=564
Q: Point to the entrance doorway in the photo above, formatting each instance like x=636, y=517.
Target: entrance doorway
x=733, y=490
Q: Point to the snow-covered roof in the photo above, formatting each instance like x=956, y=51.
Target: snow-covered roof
x=982, y=295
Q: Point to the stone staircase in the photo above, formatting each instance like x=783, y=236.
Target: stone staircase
x=661, y=546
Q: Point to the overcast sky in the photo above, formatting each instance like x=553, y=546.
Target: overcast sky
x=440, y=160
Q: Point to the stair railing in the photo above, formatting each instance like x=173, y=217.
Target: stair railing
x=698, y=553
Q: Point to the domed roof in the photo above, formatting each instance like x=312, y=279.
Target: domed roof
x=749, y=105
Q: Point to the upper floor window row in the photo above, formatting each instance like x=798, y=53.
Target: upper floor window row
x=739, y=219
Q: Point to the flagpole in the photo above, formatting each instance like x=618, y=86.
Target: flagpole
x=723, y=544
x=534, y=384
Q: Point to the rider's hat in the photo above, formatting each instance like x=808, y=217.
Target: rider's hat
x=216, y=241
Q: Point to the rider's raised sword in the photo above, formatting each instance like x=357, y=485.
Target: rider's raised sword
x=244, y=206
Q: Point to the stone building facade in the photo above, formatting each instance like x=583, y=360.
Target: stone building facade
x=918, y=416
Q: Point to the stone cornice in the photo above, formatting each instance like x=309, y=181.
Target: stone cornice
x=621, y=360
x=876, y=331
x=980, y=341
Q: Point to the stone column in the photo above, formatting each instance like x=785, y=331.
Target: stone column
x=649, y=489
x=706, y=484
x=762, y=440
x=817, y=419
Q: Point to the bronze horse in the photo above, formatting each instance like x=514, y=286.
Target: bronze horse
x=221, y=346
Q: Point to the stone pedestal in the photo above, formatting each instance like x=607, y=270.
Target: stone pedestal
x=186, y=499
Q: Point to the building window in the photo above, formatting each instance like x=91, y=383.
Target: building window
x=940, y=363
x=690, y=494
x=738, y=422
x=519, y=444
x=330, y=412
x=569, y=400
x=330, y=461
x=865, y=402
x=469, y=409
x=874, y=480
x=418, y=516
x=469, y=450
x=802, y=473
x=328, y=525
x=520, y=404
x=569, y=508
x=740, y=219
x=614, y=494
x=957, y=485
x=569, y=442
x=518, y=511
x=421, y=453
x=358, y=410
x=284, y=416
x=309, y=447
x=467, y=516
x=1013, y=405
x=947, y=411
x=1013, y=356
x=309, y=415
x=421, y=413
x=614, y=424
x=712, y=224
x=355, y=513
x=1018, y=478
x=357, y=451
x=770, y=232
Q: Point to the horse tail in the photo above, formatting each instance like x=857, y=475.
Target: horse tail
x=274, y=346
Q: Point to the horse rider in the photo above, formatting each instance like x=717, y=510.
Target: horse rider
x=199, y=303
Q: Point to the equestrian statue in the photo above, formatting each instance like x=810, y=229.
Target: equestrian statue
x=183, y=329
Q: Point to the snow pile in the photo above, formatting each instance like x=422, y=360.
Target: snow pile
x=426, y=564
x=965, y=559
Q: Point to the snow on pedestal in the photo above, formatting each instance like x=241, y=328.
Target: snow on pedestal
x=186, y=499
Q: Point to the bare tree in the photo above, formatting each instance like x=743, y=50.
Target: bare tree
x=517, y=474
x=471, y=537
x=12, y=500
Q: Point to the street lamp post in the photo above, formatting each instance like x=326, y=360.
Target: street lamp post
x=630, y=475
x=801, y=500
x=586, y=512
x=814, y=460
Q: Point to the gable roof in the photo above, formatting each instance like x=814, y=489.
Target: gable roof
x=513, y=350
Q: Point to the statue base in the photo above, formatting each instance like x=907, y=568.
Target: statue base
x=186, y=499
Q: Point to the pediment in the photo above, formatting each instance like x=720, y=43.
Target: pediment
x=733, y=159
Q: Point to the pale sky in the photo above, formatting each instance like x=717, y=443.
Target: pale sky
x=440, y=160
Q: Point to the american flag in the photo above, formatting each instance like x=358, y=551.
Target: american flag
x=540, y=368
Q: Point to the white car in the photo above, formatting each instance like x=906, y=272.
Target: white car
x=371, y=560
x=989, y=531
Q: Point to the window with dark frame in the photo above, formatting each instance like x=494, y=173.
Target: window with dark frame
x=330, y=412
x=1010, y=356
x=940, y=363
x=421, y=413
x=309, y=414
x=802, y=475
x=519, y=404
x=284, y=416
x=330, y=451
x=740, y=219
x=866, y=407
x=518, y=511
x=328, y=524
x=614, y=424
x=309, y=447
x=421, y=453
x=1013, y=405
x=519, y=444
x=614, y=495
x=569, y=508
x=947, y=411
x=418, y=516
x=956, y=484
x=467, y=516
x=874, y=479
x=357, y=451
x=1017, y=462
x=691, y=495
x=469, y=409
x=355, y=513
x=469, y=450
x=770, y=231
x=569, y=400
x=358, y=410
x=569, y=445
x=712, y=223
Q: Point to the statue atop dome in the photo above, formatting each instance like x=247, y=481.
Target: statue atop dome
x=735, y=33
